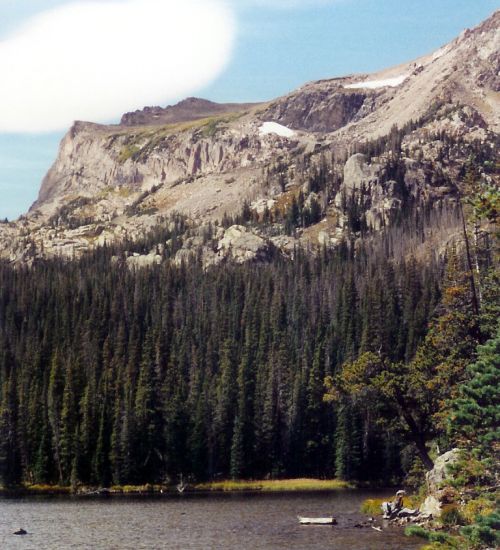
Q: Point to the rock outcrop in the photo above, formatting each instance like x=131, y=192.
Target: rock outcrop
x=144, y=260
x=358, y=173
x=436, y=477
x=368, y=184
x=322, y=107
x=241, y=245
x=236, y=244
x=437, y=494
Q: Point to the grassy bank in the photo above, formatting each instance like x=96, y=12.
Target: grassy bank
x=302, y=484
x=271, y=485
x=43, y=489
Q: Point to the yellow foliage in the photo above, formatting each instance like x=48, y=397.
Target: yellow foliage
x=372, y=506
x=269, y=485
x=148, y=488
x=477, y=507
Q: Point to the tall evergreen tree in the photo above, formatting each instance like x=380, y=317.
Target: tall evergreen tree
x=475, y=413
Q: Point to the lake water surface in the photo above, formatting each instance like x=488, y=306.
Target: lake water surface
x=185, y=522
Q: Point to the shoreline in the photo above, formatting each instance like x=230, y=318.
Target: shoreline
x=213, y=487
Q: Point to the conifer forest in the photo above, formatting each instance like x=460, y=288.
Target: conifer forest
x=344, y=363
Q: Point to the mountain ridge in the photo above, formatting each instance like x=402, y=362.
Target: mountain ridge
x=207, y=160
x=191, y=108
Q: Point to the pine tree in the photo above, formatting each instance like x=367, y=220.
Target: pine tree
x=314, y=436
x=347, y=444
x=68, y=423
x=42, y=459
x=148, y=444
x=237, y=464
x=115, y=450
x=54, y=398
x=10, y=466
x=226, y=404
x=242, y=439
x=475, y=414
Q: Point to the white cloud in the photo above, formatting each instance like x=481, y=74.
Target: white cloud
x=94, y=60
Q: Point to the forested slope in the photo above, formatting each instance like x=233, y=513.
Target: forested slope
x=118, y=375
x=112, y=374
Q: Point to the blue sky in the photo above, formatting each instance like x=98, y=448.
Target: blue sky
x=273, y=47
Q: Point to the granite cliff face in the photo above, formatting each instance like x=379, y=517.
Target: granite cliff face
x=322, y=107
x=207, y=161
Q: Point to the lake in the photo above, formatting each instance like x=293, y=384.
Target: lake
x=184, y=522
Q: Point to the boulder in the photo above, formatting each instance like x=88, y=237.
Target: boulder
x=208, y=257
x=436, y=477
x=138, y=261
x=431, y=507
x=241, y=245
x=357, y=171
x=260, y=205
x=286, y=244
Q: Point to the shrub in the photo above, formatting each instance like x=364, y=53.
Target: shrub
x=417, y=531
x=442, y=538
x=127, y=152
x=451, y=516
x=481, y=506
x=431, y=536
x=436, y=546
x=211, y=128
x=414, y=468
x=372, y=506
x=486, y=531
x=468, y=471
x=449, y=495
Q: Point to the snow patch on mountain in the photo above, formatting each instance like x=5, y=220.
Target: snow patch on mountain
x=275, y=128
x=374, y=84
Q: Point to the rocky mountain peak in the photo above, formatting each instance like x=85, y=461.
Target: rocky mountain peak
x=321, y=149
x=192, y=108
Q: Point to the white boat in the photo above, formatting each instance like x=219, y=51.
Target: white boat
x=317, y=521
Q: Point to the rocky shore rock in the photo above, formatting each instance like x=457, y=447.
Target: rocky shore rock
x=436, y=477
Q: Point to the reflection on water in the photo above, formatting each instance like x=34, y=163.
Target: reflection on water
x=253, y=522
